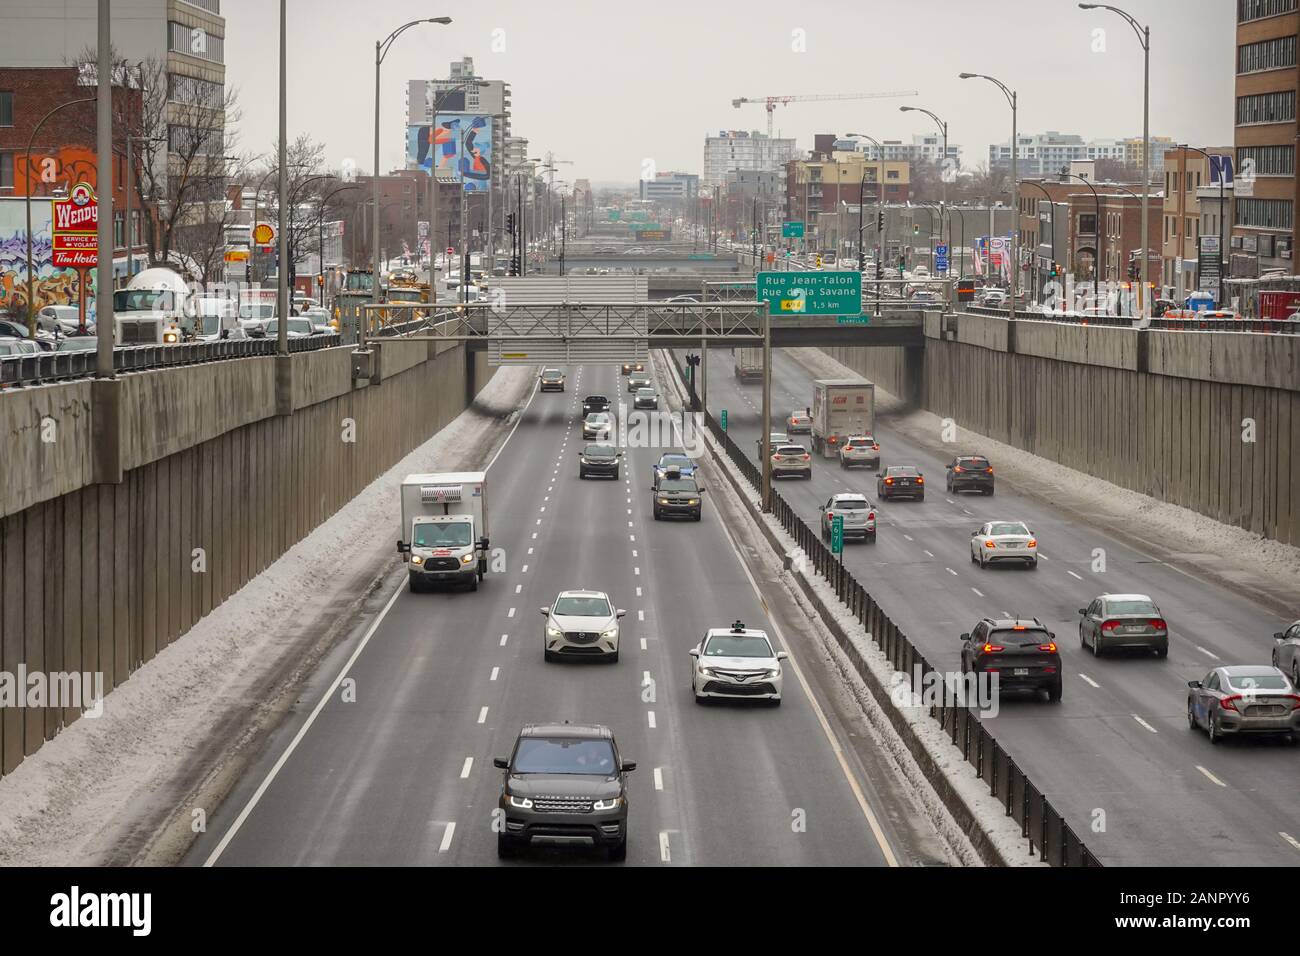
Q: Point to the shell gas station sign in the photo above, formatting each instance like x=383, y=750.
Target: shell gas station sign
x=76, y=229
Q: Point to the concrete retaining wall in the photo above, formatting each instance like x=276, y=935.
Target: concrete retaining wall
x=1176, y=430
x=102, y=577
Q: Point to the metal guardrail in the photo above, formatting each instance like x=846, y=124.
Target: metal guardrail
x=1040, y=823
x=45, y=367
x=1263, y=326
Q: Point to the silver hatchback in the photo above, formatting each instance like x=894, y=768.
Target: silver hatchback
x=1244, y=698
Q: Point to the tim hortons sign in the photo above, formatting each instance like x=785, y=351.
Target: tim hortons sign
x=76, y=228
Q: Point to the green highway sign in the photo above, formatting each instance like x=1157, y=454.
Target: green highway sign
x=810, y=293
x=863, y=319
x=792, y=230
x=837, y=534
x=723, y=420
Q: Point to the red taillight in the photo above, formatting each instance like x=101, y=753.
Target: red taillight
x=806, y=457
x=1157, y=623
x=830, y=515
x=992, y=648
x=958, y=468
x=833, y=439
x=1049, y=647
x=777, y=458
x=889, y=481
x=1109, y=625
x=871, y=516
x=876, y=447
x=1295, y=701
x=1227, y=702
x=920, y=481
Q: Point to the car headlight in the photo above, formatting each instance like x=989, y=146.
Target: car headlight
x=524, y=803
x=553, y=631
x=416, y=559
x=773, y=673
x=707, y=672
x=467, y=559
x=663, y=501
x=582, y=458
x=610, y=632
x=170, y=337
x=693, y=501
x=613, y=803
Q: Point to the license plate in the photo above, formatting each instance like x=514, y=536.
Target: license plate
x=1020, y=672
x=1134, y=629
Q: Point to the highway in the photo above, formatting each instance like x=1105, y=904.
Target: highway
x=403, y=775
x=1116, y=756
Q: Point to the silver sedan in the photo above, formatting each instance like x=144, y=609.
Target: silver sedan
x=1123, y=620
x=1286, y=652
x=1244, y=698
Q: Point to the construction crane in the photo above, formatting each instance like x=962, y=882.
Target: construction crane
x=770, y=102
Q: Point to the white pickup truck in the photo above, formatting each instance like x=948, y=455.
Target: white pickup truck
x=444, y=533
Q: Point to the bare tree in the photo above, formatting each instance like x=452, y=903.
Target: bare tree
x=307, y=183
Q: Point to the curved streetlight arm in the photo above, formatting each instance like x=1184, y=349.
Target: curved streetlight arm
x=1139, y=29
x=1006, y=90
x=382, y=46
x=943, y=127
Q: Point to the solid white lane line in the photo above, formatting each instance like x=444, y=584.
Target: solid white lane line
x=504, y=638
x=469, y=765
x=650, y=716
x=664, y=855
x=1145, y=724
x=1212, y=777
x=659, y=778
x=978, y=592
x=446, y=837
x=482, y=715
x=1289, y=839
x=1090, y=681
x=1073, y=575
x=495, y=672
x=1209, y=654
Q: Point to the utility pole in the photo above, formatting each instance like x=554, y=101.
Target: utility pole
x=105, y=327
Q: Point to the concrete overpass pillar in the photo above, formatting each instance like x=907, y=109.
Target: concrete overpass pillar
x=106, y=430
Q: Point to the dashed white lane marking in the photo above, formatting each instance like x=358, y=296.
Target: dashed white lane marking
x=1145, y=724
x=638, y=592
x=1043, y=556
x=1289, y=839
x=640, y=615
x=664, y=855
x=629, y=524
x=636, y=570
x=446, y=837
x=631, y=537
x=1209, y=654
x=659, y=778
x=950, y=501
x=1073, y=575
x=543, y=508
x=495, y=672
x=951, y=571
x=629, y=510
x=518, y=588
x=539, y=520
x=530, y=550
x=546, y=498
x=464, y=771
x=930, y=553
x=643, y=643
x=524, y=569
x=535, y=533
x=482, y=715
x=650, y=716
x=511, y=613
x=908, y=537
x=1212, y=777
x=978, y=591
x=504, y=638
x=1089, y=681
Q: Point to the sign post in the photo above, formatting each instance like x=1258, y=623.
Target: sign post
x=941, y=257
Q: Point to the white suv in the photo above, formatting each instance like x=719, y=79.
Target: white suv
x=581, y=624
x=737, y=662
x=858, y=513
x=860, y=450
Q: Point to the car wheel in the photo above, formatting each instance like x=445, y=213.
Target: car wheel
x=972, y=557
x=618, y=852
x=616, y=474
x=1215, y=734
x=871, y=537
x=581, y=473
x=989, y=492
x=983, y=563
x=1162, y=651
x=656, y=512
x=415, y=583
x=843, y=466
x=1295, y=675
x=506, y=848
x=1033, y=565
x=921, y=497
x=613, y=658
x=699, y=515
x=1191, y=717
x=774, y=702
x=1054, y=691
x=1096, y=646
x=1083, y=644
x=473, y=582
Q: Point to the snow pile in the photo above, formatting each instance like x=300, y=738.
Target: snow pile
x=70, y=803
x=1216, y=549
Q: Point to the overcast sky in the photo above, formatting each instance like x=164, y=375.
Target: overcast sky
x=610, y=84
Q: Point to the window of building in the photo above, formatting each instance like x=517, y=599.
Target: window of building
x=136, y=234
x=1259, y=9
x=1274, y=54
x=119, y=231
x=195, y=41
x=6, y=108
x=195, y=92
x=212, y=6
x=1278, y=107
x=1264, y=213
x=1087, y=223
x=1269, y=160
x=6, y=171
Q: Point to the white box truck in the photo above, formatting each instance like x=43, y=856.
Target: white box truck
x=444, y=533
x=749, y=364
x=841, y=408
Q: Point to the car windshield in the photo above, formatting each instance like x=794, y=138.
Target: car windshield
x=677, y=484
x=564, y=755
x=792, y=450
x=673, y=461
x=1020, y=638
x=79, y=344
x=738, y=645
x=599, y=451
x=1131, y=607
x=645, y=393
x=143, y=300
x=902, y=471
x=551, y=372
x=850, y=504
x=450, y=534
x=973, y=462
x=596, y=400
x=1008, y=527
x=582, y=607
x=597, y=418
x=1258, y=681
x=861, y=442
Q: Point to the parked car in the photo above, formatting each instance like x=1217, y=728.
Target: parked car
x=13, y=346
x=1114, y=621
x=969, y=473
x=1244, y=698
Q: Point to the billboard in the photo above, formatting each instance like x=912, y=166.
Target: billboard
x=462, y=148
x=53, y=286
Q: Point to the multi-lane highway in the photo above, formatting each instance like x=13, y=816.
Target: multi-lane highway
x=1116, y=756
x=388, y=758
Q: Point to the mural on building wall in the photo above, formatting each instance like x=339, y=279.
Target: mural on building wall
x=53, y=286
x=54, y=170
x=471, y=165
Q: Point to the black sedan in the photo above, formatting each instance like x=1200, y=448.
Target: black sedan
x=900, y=481
x=599, y=459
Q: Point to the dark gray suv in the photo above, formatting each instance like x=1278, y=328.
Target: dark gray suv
x=564, y=785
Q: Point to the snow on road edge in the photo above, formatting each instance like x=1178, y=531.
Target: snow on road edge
x=62, y=804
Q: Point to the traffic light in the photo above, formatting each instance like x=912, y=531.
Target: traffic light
x=1133, y=271
x=880, y=221
x=510, y=222
x=916, y=228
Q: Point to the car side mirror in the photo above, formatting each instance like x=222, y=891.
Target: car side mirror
x=702, y=490
x=694, y=652
x=483, y=543
x=501, y=763
x=1194, y=684
x=965, y=638
x=403, y=547
x=544, y=611
x=1278, y=635
x=782, y=656
x=1083, y=611
x=620, y=612
x=975, y=533
x=628, y=766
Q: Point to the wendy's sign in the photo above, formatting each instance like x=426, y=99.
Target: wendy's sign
x=76, y=227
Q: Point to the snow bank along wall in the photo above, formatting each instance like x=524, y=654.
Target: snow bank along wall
x=130, y=509
x=1206, y=420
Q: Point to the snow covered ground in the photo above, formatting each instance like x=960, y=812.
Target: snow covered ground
x=72, y=802
x=1218, y=550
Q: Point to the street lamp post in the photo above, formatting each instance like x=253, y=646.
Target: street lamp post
x=320, y=235
x=1051, y=208
x=1144, y=37
x=943, y=170
x=1222, y=217
x=1010, y=94
x=381, y=50
x=1097, y=277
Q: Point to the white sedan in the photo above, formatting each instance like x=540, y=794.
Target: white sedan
x=1001, y=541
x=736, y=662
